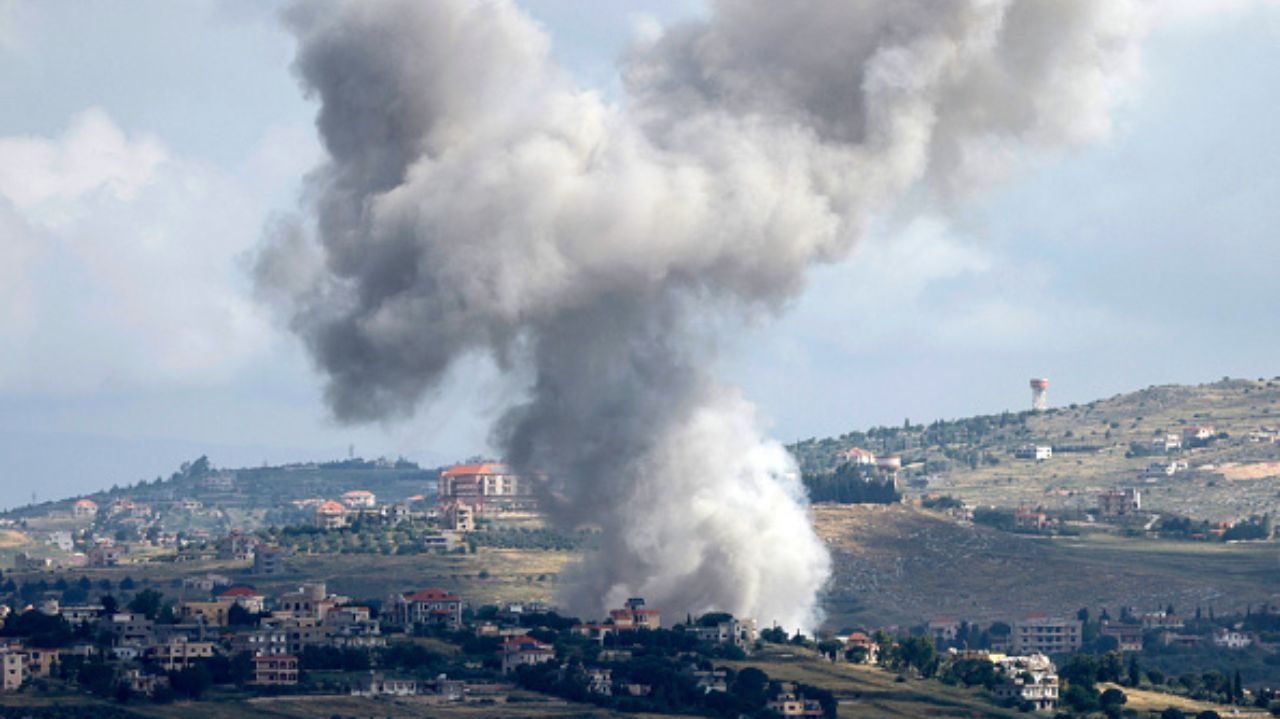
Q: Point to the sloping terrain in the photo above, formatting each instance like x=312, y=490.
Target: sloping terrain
x=896, y=564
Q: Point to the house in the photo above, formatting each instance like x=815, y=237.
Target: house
x=1156, y=470
x=359, y=499
x=246, y=598
x=275, y=670
x=177, y=654
x=599, y=680
x=1119, y=502
x=237, y=546
x=1024, y=518
x=1162, y=620
x=789, y=704
x=1128, y=636
x=211, y=613
x=859, y=457
x=260, y=642
x=943, y=630
x=1038, y=634
x=84, y=509
x=104, y=555
x=738, y=632
x=890, y=463
x=634, y=615
x=77, y=614
x=1037, y=452
x=268, y=560
x=459, y=516
x=1167, y=442
x=485, y=486
x=129, y=628
x=145, y=684
x=1230, y=639
x=858, y=644
x=14, y=666
x=330, y=515
x=1200, y=433
x=524, y=651
x=377, y=685
x=312, y=600
x=432, y=607
x=1033, y=687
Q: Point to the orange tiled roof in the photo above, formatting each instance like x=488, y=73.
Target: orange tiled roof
x=462, y=470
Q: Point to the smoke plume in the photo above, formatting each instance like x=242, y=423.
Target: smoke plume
x=475, y=201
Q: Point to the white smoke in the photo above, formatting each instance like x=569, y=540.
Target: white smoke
x=475, y=201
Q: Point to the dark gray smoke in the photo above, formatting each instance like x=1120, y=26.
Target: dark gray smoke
x=476, y=202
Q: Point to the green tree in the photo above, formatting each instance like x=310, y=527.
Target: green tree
x=147, y=602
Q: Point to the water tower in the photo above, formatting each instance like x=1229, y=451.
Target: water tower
x=1039, y=394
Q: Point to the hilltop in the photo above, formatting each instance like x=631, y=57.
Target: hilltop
x=1234, y=472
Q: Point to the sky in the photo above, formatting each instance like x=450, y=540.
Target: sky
x=145, y=146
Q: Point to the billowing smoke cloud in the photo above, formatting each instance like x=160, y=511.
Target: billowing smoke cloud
x=476, y=202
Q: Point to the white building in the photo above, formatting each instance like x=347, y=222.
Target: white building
x=1037, y=452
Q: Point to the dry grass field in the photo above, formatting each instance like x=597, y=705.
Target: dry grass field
x=896, y=564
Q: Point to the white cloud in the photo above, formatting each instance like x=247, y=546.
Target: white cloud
x=125, y=260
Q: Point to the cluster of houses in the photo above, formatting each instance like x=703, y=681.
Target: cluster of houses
x=283, y=627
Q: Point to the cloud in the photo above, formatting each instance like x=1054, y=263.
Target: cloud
x=124, y=263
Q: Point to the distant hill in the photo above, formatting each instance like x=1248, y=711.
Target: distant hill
x=1108, y=443
x=199, y=496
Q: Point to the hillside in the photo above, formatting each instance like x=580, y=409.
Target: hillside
x=901, y=565
x=1103, y=444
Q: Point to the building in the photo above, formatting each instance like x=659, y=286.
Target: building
x=459, y=516
x=311, y=600
x=1230, y=639
x=1038, y=634
x=246, y=598
x=1167, y=442
x=1024, y=518
x=524, y=651
x=238, y=546
x=890, y=463
x=359, y=499
x=211, y=613
x=859, y=456
x=1198, y=433
x=738, y=632
x=862, y=648
x=104, y=555
x=1034, y=688
x=788, y=704
x=14, y=666
x=1119, y=502
x=330, y=515
x=432, y=607
x=634, y=615
x=377, y=685
x=1037, y=452
x=84, y=509
x=1128, y=636
x=486, y=486
x=268, y=560
x=944, y=630
x=177, y=654
x=275, y=670
x=1162, y=620
x=1039, y=394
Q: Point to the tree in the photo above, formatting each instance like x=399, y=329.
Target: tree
x=1135, y=671
x=147, y=602
x=1172, y=713
x=1081, y=698
x=1111, y=700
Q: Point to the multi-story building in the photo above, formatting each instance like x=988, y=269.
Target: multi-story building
x=275, y=670
x=14, y=666
x=177, y=654
x=485, y=486
x=1119, y=502
x=524, y=651
x=1038, y=634
x=268, y=560
x=433, y=607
